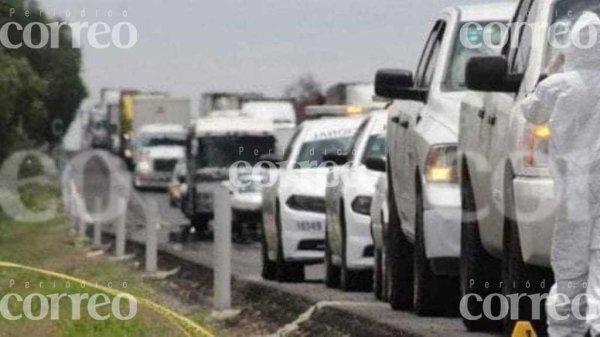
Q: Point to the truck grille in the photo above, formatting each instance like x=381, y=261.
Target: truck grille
x=164, y=165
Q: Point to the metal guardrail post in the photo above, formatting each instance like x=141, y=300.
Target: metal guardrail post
x=120, y=230
x=152, y=223
x=222, y=247
x=97, y=223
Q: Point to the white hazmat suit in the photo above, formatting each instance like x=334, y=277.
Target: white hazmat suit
x=570, y=103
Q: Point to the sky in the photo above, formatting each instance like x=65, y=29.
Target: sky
x=186, y=47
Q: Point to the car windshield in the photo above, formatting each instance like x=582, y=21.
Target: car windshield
x=152, y=141
x=311, y=153
x=375, y=147
x=226, y=150
x=566, y=13
x=475, y=32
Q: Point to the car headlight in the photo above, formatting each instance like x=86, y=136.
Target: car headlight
x=144, y=167
x=362, y=205
x=442, y=165
x=306, y=203
x=127, y=153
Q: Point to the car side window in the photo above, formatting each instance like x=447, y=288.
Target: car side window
x=290, y=147
x=429, y=61
x=518, y=57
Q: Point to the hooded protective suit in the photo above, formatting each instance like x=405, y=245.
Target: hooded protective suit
x=570, y=103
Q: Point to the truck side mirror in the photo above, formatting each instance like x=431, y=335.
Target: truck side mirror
x=378, y=164
x=490, y=74
x=272, y=159
x=398, y=84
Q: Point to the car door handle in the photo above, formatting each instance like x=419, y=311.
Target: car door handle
x=481, y=113
x=404, y=124
x=396, y=119
x=492, y=120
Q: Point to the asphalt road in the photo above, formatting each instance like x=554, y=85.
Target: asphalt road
x=246, y=262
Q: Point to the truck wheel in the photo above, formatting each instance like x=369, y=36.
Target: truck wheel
x=476, y=266
x=519, y=278
x=434, y=295
x=285, y=271
x=269, y=268
x=332, y=272
x=378, y=276
x=399, y=260
x=200, y=224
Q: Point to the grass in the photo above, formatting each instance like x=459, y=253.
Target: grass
x=47, y=246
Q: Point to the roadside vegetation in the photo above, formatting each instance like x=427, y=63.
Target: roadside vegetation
x=48, y=246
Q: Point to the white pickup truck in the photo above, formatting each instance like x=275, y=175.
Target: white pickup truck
x=507, y=190
x=422, y=136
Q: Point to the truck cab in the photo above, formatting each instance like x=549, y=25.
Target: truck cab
x=156, y=151
x=216, y=147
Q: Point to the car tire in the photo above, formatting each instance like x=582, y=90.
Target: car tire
x=269, y=268
x=399, y=253
x=519, y=278
x=332, y=272
x=434, y=295
x=378, y=285
x=285, y=271
x=476, y=264
x=200, y=224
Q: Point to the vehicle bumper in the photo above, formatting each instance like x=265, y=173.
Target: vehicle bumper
x=441, y=222
x=299, y=245
x=359, y=244
x=534, y=201
x=154, y=180
x=247, y=202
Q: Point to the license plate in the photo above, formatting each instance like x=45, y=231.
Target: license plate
x=310, y=226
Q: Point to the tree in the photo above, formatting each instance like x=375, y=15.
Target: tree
x=305, y=87
x=58, y=67
x=305, y=91
x=22, y=111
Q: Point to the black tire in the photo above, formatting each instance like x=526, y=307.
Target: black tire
x=517, y=275
x=269, y=268
x=399, y=253
x=434, y=295
x=200, y=224
x=332, y=272
x=476, y=264
x=378, y=287
x=285, y=271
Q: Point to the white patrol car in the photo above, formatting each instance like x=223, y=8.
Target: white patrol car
x=294, y=200
x=157, y=149
x=214, y=145
x=350, y=187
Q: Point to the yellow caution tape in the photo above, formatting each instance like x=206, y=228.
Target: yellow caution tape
x=523, y=329
x=187, y=326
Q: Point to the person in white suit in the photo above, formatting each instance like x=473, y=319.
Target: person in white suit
x=569, y=102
